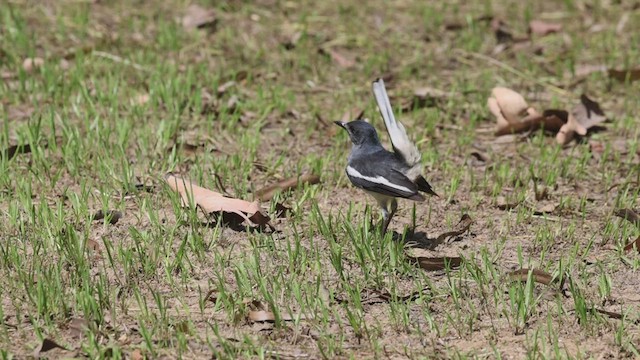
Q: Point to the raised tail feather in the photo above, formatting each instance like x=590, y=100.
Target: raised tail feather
x=399, y=139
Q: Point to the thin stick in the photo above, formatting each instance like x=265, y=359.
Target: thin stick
x=514, y=71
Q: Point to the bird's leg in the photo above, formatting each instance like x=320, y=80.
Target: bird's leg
x=385, y=220
x=388, y=214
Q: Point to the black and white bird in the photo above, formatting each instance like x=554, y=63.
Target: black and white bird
x=383, y=174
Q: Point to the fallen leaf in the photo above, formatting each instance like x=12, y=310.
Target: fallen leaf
x=30, y=64
x=543, y=28
x=632, y=74
x=532, y=122
x=197, y=17
x=539, y=276
x=14, y=150
x=631, y=245
x=214, y=202
x=629, y=215
x=112, y=215
x=507, y=106
x=503, y=204
x=588, y=113
x=46, y=345
x=567, y=131
x=463, y=226
x=436, y=263
x=261, y=316
x=267, y=193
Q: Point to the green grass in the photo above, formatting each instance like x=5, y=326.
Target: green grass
x=164, y=282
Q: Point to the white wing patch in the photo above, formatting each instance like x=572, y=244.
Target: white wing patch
x=377, y=180
x=401, y=143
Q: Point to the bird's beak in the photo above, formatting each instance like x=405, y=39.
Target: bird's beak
x=342, y=124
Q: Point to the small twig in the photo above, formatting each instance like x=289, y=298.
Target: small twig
x=118, y=59
x=514, y=71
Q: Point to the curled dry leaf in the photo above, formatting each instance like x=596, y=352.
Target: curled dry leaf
x=267, y=193
x=632, y=74
x=436, y=263
x=211, y=201
x=539, y=276
x=543, y=28
x=583, y=116
x=261, y=316
x=633, y=244
x=629, y=215
x=463, y=226
x=588, y=113
x=197, y=17
x=507, y=105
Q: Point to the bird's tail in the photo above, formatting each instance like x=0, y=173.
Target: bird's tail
x=399, y=139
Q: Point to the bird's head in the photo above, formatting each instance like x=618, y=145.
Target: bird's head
x=360, y=132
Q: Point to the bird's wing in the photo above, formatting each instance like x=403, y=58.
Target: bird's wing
x=401, y=143
x=382, y=180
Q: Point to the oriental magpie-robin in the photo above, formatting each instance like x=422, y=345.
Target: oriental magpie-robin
x=383, y=174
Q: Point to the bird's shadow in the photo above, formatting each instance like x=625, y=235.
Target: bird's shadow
x=421, y=240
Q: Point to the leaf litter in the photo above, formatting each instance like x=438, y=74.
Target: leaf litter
x=514, y=115
x=214, y=202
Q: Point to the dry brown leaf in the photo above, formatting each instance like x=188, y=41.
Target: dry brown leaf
x=588, y=113
x=632, y=74
x=46, y=345
x=211, y=201
x=567, y=131
x=261, y=316
x=633, y=244
x=463, y=226
x=543, y=28
x=436, y=263
x=30, y=64
x=539, y=276
x=197, y=17
x=267, y=193
x=532, y=122
x=507, y=105
x=546, y=209
x=629, y=215
x=503, y=204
